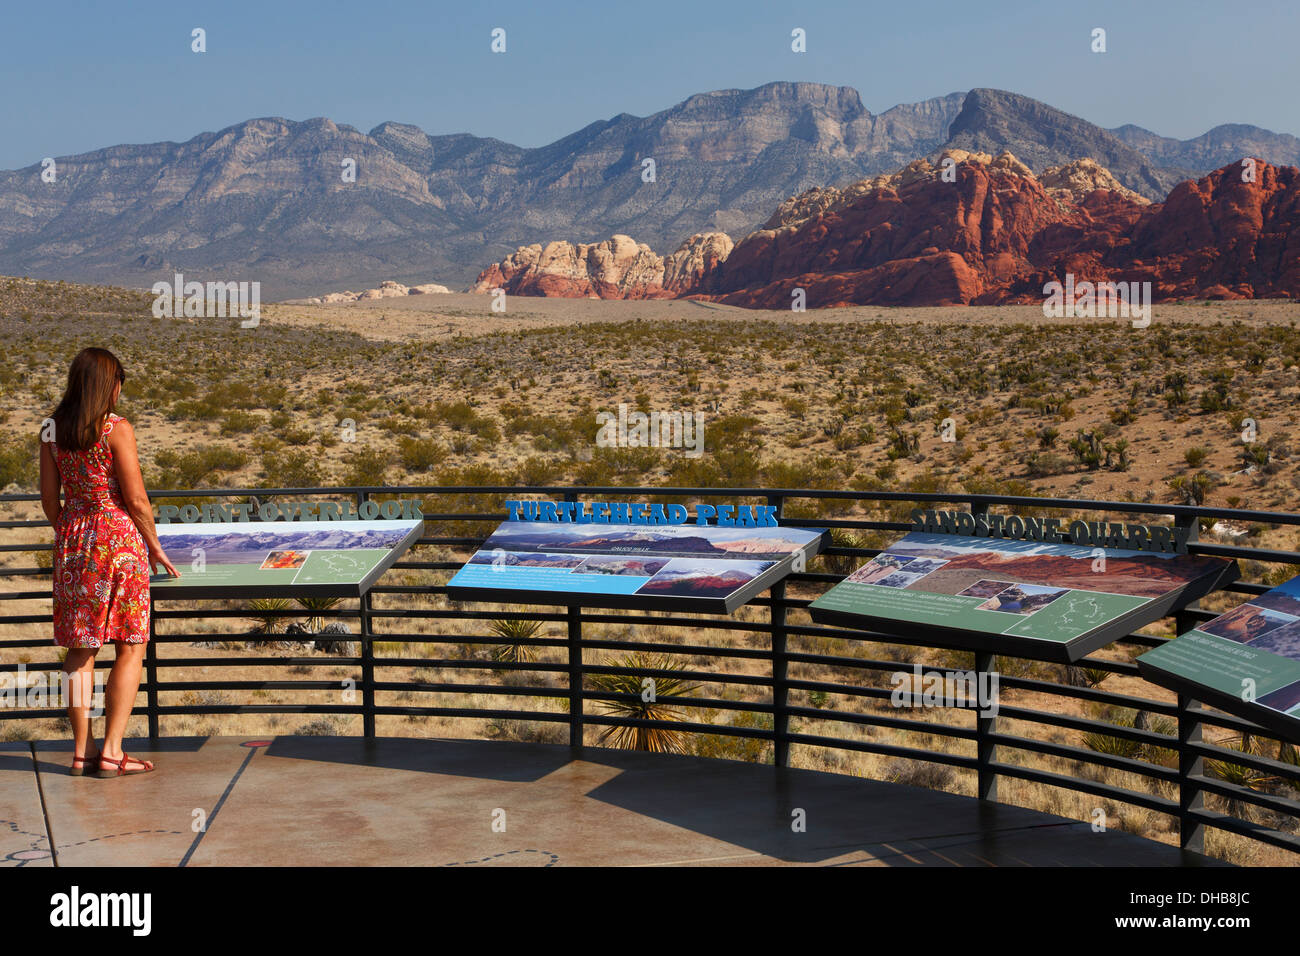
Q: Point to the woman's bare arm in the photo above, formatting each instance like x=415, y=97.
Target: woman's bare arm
x=126, y=464
x=50, y=484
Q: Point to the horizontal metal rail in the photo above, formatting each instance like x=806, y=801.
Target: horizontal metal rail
x=783, y=686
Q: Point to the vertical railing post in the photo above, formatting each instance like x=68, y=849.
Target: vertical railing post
x=151, y=673
x=780, y=662
x=575, y=671
x=575, y=676
x=366, y=640
x=1191, y=798
x=986, y=751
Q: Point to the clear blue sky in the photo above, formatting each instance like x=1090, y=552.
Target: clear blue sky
x=82, y=75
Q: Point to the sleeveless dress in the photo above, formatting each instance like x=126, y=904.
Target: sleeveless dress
x=101, y=565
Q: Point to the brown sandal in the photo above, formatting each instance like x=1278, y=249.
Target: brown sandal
x=121, y=766
x=82, y=771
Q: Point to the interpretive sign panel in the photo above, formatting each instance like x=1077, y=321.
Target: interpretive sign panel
x=1245, y=662
x=637, y=566
x=1036, y=599
x=280, y=558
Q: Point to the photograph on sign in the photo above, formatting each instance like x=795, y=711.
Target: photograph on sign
x=1024, y=591
x=1247, y=659
x=255, y=558
x=631, y=565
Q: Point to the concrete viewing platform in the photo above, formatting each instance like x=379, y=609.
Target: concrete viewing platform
x=328, y=801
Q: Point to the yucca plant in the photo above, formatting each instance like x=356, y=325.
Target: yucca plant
x=518, y=632
x=1103, y=743
x=1113, y=746
x=653, y=739
x=315, y=605
x=1094, y=676
x=268, y=613
x=1235, y=773
x=844, y=564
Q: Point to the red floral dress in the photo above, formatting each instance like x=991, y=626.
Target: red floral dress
x=101, y=565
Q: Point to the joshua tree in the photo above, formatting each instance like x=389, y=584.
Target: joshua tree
x=1117, y=455
x=1191, y=490
x=1088, y=449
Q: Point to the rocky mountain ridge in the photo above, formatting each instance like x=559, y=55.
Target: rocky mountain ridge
x=268, y=199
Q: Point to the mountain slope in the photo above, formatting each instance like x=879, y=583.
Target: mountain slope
x=265, y=200
x=1218, y=147
x=994, y=121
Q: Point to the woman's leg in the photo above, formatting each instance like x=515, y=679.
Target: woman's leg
x=79, y=665
x=123, y=683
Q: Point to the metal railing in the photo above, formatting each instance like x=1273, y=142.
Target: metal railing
x=790, y=710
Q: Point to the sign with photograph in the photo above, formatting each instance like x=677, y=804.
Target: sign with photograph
x=280, y=558
x=642, y=566
x=1245, y=662
x=1036, y=599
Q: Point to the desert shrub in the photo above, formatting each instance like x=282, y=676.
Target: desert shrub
x=1216, y=398
x=365, y=467
x=797, y=407
x=291, y=469
x=728, y=747
x=192, y=469
x=535, y=470
x=421, y=454
x=20, y=462
x=240, y=422
x=919, y=773
x=320, y=727
x=461, y=416
x=297, y=436
x=733, y=467
x=199, y=409
x=1125, y=415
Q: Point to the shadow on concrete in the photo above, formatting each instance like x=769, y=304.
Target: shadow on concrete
x=320, y=801
x=461, y=758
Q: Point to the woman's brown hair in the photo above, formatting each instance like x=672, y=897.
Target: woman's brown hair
x=79, y=417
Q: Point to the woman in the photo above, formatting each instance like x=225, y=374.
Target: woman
x=105, y=545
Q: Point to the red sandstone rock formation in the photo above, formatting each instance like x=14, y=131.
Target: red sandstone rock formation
x=996, y=235
x=993, y=234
